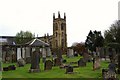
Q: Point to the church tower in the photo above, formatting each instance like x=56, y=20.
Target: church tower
x=59, y=34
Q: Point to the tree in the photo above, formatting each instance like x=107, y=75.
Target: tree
x=113, y=36
x=94, y=39
x=113, y=33
x=23, y=37
x=78, y=47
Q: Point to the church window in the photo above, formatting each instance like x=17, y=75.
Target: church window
x=56, y=26
x=62, y=42
x=56, y=43
x=62, y=26
x=56, y=34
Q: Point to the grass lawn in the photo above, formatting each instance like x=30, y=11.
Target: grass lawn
x=56, y=72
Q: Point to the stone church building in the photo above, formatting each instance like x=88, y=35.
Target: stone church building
x=57, y=41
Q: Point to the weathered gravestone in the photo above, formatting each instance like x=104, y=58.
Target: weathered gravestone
x=20, y=62
x=57, y=62
x=70, y=53
x=109, y=73
x=82, y=62
x=48, y=65
x=48, y=52
x=69, y=69
x=96, y=63
x=112, y=69
x=10, y=67
x=87, y=57
x=5, y=69
x=35, y=60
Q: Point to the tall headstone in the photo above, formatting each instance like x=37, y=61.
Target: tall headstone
x=87, y=57
x=70, y=53
x=23, y=52
x=27, y=52
x=48, y=52
x=48, y=65
x=35, y=60
x=18, y=53
x=96, y=63
x=44, y=52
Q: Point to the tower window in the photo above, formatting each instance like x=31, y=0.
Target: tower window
x=62, y=43
x=62, y=26
x=56, y=43
x=56, y=26
x=56, y=34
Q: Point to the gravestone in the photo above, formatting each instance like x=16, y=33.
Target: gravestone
x=43, y=52
x=5, y=68
x=19, y=53
x=110, y=73
x=82, y=62
x=69, y=70
x=48, y=65
x=27, y=52
x=11, y=67
x=70, y=53
x=57, y=62
x=96, y=63
x=87, y=57
x=48, y=52
x=35, y=60
x=20, y=62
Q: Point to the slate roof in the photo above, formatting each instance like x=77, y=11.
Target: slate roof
x=37, y=42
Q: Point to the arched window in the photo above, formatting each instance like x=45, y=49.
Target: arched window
x=62, y=43
x=62, y=26
x=56, y=26
x=56, y=34
x=56, y=43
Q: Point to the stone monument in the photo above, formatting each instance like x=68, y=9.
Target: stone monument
x=35, y=60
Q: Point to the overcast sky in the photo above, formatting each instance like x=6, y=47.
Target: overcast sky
x=37, y=16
